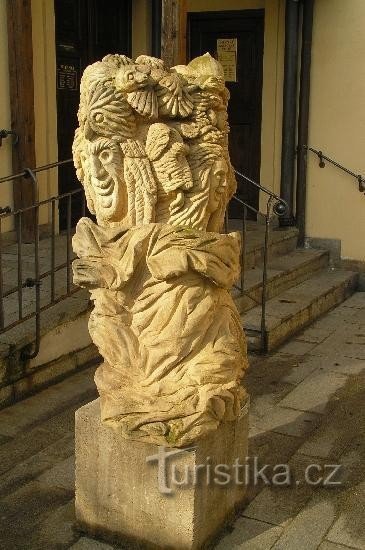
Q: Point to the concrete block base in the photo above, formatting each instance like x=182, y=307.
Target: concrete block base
x=124, y=493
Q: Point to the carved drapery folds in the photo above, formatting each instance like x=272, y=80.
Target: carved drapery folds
x=151, y=151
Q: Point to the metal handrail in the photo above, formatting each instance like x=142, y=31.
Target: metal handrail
x=25, y=172
x=279, y=207
x=322, y=158
x=36, y=280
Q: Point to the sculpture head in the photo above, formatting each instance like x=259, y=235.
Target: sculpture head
x=130, y=78
x=217, y=184
x=100, y=164
x=138, y=171
x=213, y=187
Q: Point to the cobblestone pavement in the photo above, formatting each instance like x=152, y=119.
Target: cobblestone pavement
x=307, y=409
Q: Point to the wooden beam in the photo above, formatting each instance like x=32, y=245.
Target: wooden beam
x=170, y=32
x=19, y=18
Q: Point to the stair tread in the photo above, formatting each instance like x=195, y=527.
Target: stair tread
x=296, y=299
x=279, y=265
x=255, y=234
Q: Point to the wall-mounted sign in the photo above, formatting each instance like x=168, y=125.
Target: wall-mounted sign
x=67, y=77
x=227, y=56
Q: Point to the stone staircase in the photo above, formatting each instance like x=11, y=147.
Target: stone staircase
x=301, y=286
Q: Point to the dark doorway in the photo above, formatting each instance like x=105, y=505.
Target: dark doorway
x=244, y=110
x=86, y=31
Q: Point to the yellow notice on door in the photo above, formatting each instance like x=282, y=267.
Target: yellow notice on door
x=227, y=56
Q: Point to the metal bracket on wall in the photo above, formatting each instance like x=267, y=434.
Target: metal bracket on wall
x=5, y=133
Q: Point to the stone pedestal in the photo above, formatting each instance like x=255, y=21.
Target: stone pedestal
x=124, y=494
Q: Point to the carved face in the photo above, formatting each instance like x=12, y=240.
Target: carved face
x=217, y=184
x=103, y=168
x=132, y=77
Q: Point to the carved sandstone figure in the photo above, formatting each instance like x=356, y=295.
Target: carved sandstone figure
x=157, y=265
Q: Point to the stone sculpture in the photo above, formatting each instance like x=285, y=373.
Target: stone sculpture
x=151, y=151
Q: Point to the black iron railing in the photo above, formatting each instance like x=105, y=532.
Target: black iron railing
x=30, y=251
x=322, y=158
x=19, y=283
x=276, y=206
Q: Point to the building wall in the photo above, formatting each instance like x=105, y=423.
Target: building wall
x=141, y=27
x=45, y=106
x=335, y=208
x=272, y=79
x=6, y=189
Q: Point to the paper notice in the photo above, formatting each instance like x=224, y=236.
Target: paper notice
x=227, y=56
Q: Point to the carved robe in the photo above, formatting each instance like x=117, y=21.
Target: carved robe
x=167, y=327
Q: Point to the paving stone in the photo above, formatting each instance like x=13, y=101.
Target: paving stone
x=270, y=448
x=86, y=543
x=249, y=534
x=48, y=402
x=24, y=446
x=25, y=511
x=286, y=421
x=355, y=301
x=302, y=368
x=314, y=393
x=60, y=475
x=279, y=505
x=324, y=443
x=331, y=546
x=349, y=528
x=57, y=532
x=36, y=464
x=343, y=365
x=297, y=347
x=347, y=342
x=314, y=335
x=307, y=530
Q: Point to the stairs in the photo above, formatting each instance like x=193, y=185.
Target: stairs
x=301, y=286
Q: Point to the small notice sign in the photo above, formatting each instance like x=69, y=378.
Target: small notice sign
x=67, y=77
x=227, y=56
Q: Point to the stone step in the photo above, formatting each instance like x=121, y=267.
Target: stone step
x=281, y=241
x=298, y=307
x=283, y=273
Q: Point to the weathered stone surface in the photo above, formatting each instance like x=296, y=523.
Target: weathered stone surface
x=117, y=492
x=309, y=527
x=314, y=394
x=249, y=534
x=85, y=543
x=151, y=151
x=349, y=529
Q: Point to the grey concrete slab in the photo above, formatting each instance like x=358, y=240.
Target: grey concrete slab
x=303, y=367
x=297, y=347
x=33, y=410
x=23, y=472
x=61, y=475
x=308, y=529
x=57, y=532
x=315, y=392
x=349, y=529
x=326, y=545
x=324, y=443
x=85, y=543
x=25, y=511
x=286, y=421
x=314, y=335
x=250, y=534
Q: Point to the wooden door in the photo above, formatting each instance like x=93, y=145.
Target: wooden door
x=244, y=110
x=86, y=31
